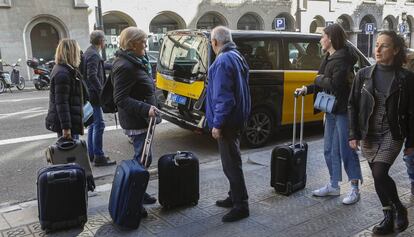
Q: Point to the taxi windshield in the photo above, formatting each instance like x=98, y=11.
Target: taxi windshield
x=184, y=56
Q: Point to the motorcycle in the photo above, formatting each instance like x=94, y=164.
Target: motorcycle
x=11, y=79
x=41, y=77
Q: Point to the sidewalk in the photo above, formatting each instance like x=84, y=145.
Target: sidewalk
x=300, y=214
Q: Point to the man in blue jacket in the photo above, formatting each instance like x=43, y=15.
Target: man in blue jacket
x=93, y=70
x=227, y=111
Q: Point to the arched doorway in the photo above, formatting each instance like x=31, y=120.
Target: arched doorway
x=250, y=21
x=346, y=22
x=317, y=25
x=44, y=39
x=289, y=20
x=114, y=22
x=159, y=25
x=389, y=23
x=365, y=41
x=210, y=20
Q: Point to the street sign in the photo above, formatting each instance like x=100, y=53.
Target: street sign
x=328, y=23
x=369, y=28
x=403, y=28
x=280, y=23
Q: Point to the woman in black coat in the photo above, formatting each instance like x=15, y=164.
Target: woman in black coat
x=334, y=78
x=134, y=91
x=66, y=92
x=381, y=112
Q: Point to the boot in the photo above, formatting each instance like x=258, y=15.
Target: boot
x=401, y=218
x=386, y=226
x=103, y=161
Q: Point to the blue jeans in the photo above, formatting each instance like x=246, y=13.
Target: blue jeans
x=138, y=143
x=95, y=133
x=336, y=148
x=409, y=162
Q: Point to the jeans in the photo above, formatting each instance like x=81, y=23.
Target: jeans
x=229, y=147
x=138, y=143
x=95, y=133
x=336, y=148
x=409, y=162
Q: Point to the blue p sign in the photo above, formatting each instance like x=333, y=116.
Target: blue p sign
x=369, y=28
x=328, y=23
x=280, y=23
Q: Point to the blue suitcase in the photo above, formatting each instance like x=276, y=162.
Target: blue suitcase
x=128, y=188
x=62, y=196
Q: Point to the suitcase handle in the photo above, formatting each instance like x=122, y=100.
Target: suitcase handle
x=295, y=95
x=181, y=155
x=61, y=176
x=147, y=142
x=65, y=144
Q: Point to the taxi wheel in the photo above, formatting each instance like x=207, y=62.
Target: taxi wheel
x=259, y=128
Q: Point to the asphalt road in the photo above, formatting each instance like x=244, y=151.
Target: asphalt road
x=23, y=140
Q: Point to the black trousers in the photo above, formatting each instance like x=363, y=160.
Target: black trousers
x=229, y=147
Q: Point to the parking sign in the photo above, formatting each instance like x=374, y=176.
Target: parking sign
x=280, y=23
x=403, y=28
x=369, y=28
x=328, y=23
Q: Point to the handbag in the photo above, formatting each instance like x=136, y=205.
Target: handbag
x=325, y=102
x=87, y=114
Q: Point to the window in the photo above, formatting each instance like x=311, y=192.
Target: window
x=304, y=55
x=260, y=54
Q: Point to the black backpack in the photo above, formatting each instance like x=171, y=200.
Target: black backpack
x=107, y=96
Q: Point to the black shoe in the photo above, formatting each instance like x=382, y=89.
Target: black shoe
x=148, y=199
x=91, y=158
x=235, y=214
x=103, y=161
x=386, y=226
x=225, y=203
x=401, y=218
x=144, y=213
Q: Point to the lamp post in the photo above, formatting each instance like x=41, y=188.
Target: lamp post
x=100, y=25
x=298, y=16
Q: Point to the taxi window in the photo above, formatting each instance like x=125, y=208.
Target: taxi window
x=260, y=54
x=304, y=55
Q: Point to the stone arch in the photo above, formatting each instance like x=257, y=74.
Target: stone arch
x=250, y=21
x=211, y=19
x=57, y=24
x=115, y=21
x=290, y=21
x=166, y=21
x=346, y=22
x=389, y=23
x=317, y=24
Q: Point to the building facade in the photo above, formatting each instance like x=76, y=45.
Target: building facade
x=33, y=28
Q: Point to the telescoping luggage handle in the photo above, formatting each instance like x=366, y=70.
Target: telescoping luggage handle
x=148, y=141
x=295, y=95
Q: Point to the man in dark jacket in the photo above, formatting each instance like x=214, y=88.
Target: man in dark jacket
x=94, y=73
x=227, y=111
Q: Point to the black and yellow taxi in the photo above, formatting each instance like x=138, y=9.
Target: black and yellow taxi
x=279, y=62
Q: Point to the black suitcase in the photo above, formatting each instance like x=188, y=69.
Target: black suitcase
x=66, y=151
x=62, y=196
x=128, y=187
x=178, y=177
x=288, y=163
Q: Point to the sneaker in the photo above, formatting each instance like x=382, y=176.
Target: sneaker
x=327, y=190
x=235, y=214
x=103, y=161
x=225, y=203
x=352, y=197
x=148, y=199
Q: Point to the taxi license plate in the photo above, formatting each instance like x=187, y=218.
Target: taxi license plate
x=177, y=98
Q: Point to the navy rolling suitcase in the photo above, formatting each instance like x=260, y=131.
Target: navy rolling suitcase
x=288, y=162
x=128, y=188
x=62, y=196
x=178, y=180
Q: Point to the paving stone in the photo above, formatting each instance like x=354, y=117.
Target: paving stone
x=95, y=221
x=35, y=227
x=338, y=230
x=211, y=222
x=195, y=213
x=21, y=217
x=3, y=224
x=363, y=233
x=175, y=218
x=228, y=229
x=191, y=229
x=17, y=232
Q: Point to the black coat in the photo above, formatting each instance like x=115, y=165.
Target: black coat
x=65, y=100
x=134, y=91
x=94, y=73
x=335, y=74
x=399, y=105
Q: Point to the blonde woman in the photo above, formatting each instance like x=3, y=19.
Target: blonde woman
x=134, y=91
x=65, y=103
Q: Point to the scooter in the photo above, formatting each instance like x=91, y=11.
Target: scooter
x=11, y=79
x=41, y=77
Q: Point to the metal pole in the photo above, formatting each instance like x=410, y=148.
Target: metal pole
x=369, y=44
x=298, y=16
x=101, y=26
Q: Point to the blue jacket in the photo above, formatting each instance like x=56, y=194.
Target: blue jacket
x=228, y=93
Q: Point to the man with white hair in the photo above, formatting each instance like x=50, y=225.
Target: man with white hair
x=227, y=111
